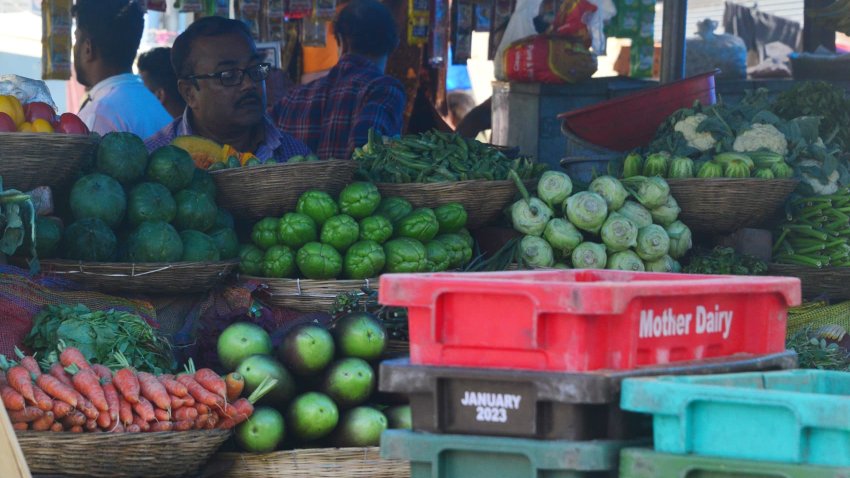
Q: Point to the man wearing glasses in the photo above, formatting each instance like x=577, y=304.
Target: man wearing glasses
x=222, y=79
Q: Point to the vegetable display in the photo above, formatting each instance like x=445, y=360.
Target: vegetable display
x=435, y=157
x=817, y=233
x=724, y=261
x=358, y=236
x=627, y=225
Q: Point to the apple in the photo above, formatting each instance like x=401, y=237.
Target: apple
x=69, y=123
x=38, y=110
x=7, y=124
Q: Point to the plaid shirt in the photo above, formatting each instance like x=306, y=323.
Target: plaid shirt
x=277, y=146
x=333, y=114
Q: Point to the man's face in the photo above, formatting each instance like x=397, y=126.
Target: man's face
x=81, y=46
x=222, y=107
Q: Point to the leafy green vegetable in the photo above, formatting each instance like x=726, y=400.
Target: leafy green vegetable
x=725, y=261
x=818, y=98
x=99, y=335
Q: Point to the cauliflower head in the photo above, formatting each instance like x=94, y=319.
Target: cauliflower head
x=820, y=188
x=761, y=136
x=700, y=140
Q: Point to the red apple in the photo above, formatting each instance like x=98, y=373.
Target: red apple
x=69, y=123
x=7, y=124
x=37, y=109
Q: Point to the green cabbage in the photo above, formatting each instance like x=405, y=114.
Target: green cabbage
x=562, y=236
x=625, y=261
x=587, y=211
x=666, y=214
x=530, y=216
x=619, y=233
x=681, y=167
x=651, y=192
x=636, y=213
x=611, y=190
x=589, y=255
x=536, y=252
x=680, y=239
x=652, y=243
x=665, y=264
x=554, y=188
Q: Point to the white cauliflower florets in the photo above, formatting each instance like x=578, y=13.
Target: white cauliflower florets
x=761, y=136
x=703, y=140
x=819, y=188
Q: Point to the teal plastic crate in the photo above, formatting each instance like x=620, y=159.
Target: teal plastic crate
x=799, y=416
x=643, y=463
x=463, y=456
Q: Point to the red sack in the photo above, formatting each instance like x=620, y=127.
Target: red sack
x=548, y=59
x=571, y=21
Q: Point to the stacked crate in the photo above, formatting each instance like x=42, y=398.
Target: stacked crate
x=790, y=424
x=518, y=374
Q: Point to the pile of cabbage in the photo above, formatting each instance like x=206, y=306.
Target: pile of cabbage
x=626, y=225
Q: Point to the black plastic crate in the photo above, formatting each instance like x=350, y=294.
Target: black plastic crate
x=544, y=405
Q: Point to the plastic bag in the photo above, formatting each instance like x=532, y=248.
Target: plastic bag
x=584, y=20
x=521, y=25
x=710, y=51
x=26, y=90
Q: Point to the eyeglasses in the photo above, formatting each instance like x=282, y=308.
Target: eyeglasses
x=235, y=76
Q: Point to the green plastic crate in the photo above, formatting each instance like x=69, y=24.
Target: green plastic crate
x=464, y=456
x=644, y=463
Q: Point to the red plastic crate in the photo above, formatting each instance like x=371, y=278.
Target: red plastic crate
x=625, y=123
x=581, y=320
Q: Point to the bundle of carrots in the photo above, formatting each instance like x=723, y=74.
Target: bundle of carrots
x=72, y=395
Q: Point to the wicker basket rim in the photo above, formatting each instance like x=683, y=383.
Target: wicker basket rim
x=727, y=181
x=273, y=166
x=468, y=182
x=138, y=437
x=307, y=287
x=133, y=269
x=55, y=137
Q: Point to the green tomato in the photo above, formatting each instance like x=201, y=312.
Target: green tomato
x=340, y=232
x=364, y=260
x=406, y=255
x=451, y=217
x=319, y=261
x=438, y=256
x=278, y=262
x=376, y=228
x=264, y=233
x=251, y=260
x=394, y=208
x=296, y=229
x=319, y=205
x=359, y=200
x=456, y=247
x=421, y=224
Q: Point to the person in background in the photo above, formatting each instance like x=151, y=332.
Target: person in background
x=318, y=60
x=106, y=40
x=222, y=78
x=333, y=115
x=158, y=76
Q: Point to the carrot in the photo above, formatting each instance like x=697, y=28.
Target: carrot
x=74, y=418
x=185, y=413
x=28, y=414
x=56, y=427
x=20, y=426
x=127, y=383
x=76, y=429
x=12, y=399
x=87, y=383
x=111, y=395
x=212, y=382
x=184, y=425
x=42, y=400
x=104, y=421
x=28, y=362
x=154, y=391
x=102, y=372
x=201, y=421
x=234, y=383
x=243, y=408
x=144, y=409
x=177, y=402
x=91, y=425
x=61, y=409
x=173, y=386
x=58, y=372
x=162, y=415
x=56, y=389
x=164, y=426
x=118, y=428
x=44, y=423
x=189, y=401
x=142, y=424
x=72, y=356
x=125, y=411
x=133, y=428
x=212, y=421
x=200, y=393
x=88, y=409
x=19, y=378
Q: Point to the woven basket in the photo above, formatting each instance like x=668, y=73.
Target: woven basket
x=29, y=160
x=120, y=455
x=831, y=282
x=143, y=278
x=273, y=189
x=726, y=205
x=305, y=295
x=310, y=463
x=483, y=200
